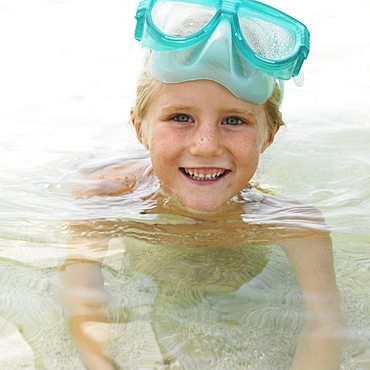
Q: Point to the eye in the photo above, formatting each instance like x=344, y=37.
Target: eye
x=233, y=121
x=182, y=118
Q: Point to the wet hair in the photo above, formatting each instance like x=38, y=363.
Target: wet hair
x=147, y=86
x=272, y=109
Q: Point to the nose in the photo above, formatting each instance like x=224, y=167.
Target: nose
x=206, y=141
x=217, y=50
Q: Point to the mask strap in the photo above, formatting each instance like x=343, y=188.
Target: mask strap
x=299, y=80
x=282, y=88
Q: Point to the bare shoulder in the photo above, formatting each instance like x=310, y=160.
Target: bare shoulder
x=298, y=220
x=305, y=238
x=113, y=180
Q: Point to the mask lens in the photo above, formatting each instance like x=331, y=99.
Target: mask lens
x=179, y=19
x=267, y=39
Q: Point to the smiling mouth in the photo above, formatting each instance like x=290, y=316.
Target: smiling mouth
x=204, y=175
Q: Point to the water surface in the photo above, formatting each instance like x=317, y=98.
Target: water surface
x=67, y=87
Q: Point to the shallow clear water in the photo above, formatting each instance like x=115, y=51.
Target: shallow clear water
x=66, y=90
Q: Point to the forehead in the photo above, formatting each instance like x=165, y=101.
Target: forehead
x=202, y=95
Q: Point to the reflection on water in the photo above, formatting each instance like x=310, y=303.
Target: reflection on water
x=210, y=271
x=174, y=305
x=64, y=109
x=204, y=307
x=32, y=319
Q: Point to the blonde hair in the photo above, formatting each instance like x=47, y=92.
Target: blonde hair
x=147, y=85
x=272, y=109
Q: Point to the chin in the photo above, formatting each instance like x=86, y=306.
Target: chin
x=198, y=207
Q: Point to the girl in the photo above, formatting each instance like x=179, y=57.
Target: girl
x=207, y=106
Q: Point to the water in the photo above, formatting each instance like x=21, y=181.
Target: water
x=66, y=90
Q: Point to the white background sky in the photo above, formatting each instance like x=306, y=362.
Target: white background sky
x=60, y=58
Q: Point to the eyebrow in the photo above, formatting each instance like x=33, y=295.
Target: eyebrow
x=237, y=111
x=176, y=107
x=180, y=107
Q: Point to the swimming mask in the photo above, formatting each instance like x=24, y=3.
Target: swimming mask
x=242, y=44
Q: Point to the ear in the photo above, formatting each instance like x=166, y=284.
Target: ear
x=270, y=137
x=138, y=124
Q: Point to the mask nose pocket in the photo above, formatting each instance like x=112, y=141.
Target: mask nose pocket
x=216, y=50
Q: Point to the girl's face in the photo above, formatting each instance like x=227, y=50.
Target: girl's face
x=204, y=142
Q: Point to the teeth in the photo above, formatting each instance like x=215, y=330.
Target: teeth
x=201, y=177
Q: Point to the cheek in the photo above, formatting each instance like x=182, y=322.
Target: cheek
x=147, y=136
x=160, y=146
x=262, y=128
x=251, y=144
x=262, y=138
x=162, y=138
